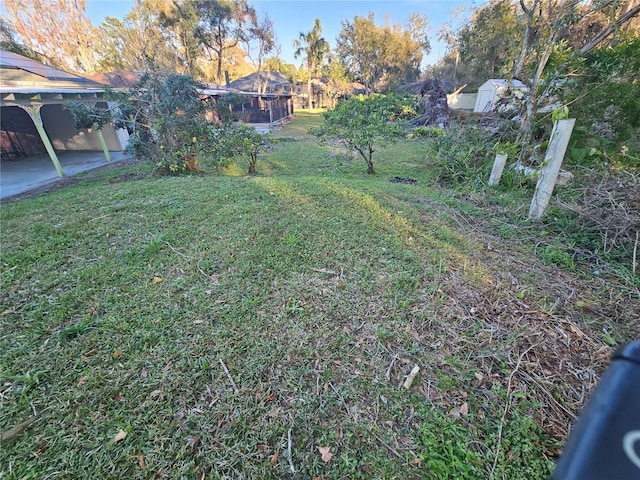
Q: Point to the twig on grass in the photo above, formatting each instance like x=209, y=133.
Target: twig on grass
x=389, y=447
x=635, y=252
x=290, y=452
x=184, y=256
x=506, y=409
x=18, y=429
x=226, y=370
x=393, y=362
x=341, y=398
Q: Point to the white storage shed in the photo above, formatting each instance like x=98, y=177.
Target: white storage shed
x=492, y=90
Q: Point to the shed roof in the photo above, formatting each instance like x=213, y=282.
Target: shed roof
x=502, y=82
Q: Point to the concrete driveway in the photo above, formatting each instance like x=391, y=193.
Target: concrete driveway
x=20, y=176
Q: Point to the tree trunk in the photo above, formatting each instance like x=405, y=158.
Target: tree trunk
x=309, y=85
x=370, y=169
x=252, y=165
x=519, y=65
x=526, y=132
x=610, y=29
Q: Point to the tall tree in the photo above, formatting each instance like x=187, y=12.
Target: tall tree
x=223, y=24
x=181, y=20
x=260, y=43
x=10, y=43
x=58, y=29
x=138, y=41
x=379, y=56
x=314, y=48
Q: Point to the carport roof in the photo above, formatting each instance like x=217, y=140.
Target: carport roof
x=18, y=72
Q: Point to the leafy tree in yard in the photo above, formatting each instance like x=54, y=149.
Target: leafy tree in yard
x=138, y=40
x=242, y=141
x=163, y=114
x=365, y=122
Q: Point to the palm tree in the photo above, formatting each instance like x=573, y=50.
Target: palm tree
x=315, y=48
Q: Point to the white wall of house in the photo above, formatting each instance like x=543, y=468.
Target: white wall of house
x=58, y=124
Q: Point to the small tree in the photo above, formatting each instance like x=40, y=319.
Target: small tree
x=242, y=141
x=363, y=123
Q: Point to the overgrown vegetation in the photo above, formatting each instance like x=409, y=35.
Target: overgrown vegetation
x=228, y=325
x=178, y=129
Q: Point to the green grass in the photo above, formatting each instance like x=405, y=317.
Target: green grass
x=318, y=286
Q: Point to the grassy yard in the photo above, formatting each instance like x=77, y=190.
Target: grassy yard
x=226, y=326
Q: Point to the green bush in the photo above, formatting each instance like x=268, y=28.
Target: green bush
x=461, y=156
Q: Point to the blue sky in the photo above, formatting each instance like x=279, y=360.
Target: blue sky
x=291, y=17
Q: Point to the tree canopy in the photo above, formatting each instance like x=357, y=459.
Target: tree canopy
x=381, y=57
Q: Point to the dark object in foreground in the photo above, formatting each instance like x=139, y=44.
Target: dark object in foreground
x=408, y=181
x=605, y=443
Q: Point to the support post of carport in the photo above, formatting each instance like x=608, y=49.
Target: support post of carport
x=103, y=144
x=34, y=112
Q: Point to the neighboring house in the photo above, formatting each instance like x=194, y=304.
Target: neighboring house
x=323, y=93
x=492, y=90
x=273, y=106
x=32, y=118
x=263, y=82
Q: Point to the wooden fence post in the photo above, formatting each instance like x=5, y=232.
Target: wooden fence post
x=551, y=167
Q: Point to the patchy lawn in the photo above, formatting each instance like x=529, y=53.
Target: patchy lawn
x=225, y=326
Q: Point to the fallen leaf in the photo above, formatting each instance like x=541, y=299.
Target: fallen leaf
x=140, y=461
x=417, y=461
x=479, y=376
x=156, y=280
x=90, y=352
x=117, y=353
x=274, y=459
x=194, y=442
x=325, y=453
x=464, y=408
x=81, y=381
x=455, y=412
x=119, y=436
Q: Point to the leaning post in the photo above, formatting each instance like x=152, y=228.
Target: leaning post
x=551, y=167
x=498, y=167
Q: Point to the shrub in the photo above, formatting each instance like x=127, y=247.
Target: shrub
x=427, y=131
x=461, y=155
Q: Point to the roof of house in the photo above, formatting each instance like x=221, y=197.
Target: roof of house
x=117, y=79
x=250, y=83
x=17, y=71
